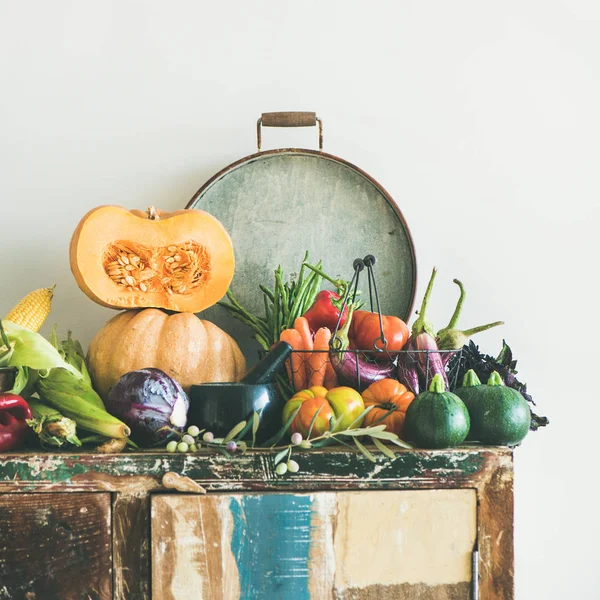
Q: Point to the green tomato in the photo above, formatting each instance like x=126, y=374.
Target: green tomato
x=293, y=466
x=188, y=439
x=193, y=448
x=183, y=447
x=193, y=431
x=172, y=446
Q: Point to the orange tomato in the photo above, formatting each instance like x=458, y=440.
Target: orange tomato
x=338, y=402
x=386, y=395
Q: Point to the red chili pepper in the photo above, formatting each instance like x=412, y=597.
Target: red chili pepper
x=325, y=312
x=14, y=412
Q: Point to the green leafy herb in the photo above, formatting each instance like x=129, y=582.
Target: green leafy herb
x=470, y=357
x=239, y=427
x=384, y=449
x=364, y=450
x=312, y=423
x=255, y=425
x=281, y=455
x=362, y=415
x=279, y=435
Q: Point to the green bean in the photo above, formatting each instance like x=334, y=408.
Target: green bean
x=262, y=341
x=297, y=307
x=244, y=316
x=267, y=292
x=276, y=320
x=268, y=311
x=283, y=295
x=314, y=290
x=301, y=274
x=255, y=326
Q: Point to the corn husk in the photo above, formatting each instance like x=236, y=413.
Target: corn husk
x=53, y=428
x=76, y=399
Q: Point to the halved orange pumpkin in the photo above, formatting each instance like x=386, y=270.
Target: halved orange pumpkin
x=181, y=261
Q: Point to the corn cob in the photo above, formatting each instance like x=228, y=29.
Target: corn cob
x=32, y=311
x=51, y=426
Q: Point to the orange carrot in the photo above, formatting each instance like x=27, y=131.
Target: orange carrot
x=331, y=380
x=297, y=371
x=319, y=357
x=302, y=327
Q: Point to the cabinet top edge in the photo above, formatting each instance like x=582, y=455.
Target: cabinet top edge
x=153, y=453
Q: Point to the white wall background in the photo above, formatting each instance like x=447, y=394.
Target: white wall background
x=480, y=118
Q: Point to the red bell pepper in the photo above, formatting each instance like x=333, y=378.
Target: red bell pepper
x=325, y=312
x=14, y=412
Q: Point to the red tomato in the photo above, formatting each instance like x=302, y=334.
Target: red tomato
x=365, y=331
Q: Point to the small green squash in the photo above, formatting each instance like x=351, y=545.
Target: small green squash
x=437, y=418
x=469, y=393
x=500, y=416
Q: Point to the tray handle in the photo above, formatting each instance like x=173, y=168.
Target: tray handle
x=288, y=119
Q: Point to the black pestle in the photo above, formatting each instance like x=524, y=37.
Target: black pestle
x=267, y=368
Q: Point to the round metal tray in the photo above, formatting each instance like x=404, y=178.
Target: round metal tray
x=279, y=203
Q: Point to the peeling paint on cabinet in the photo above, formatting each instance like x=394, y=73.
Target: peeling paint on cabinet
x=323, y=546
x=328, y=481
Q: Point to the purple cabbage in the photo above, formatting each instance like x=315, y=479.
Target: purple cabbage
x=147, y=401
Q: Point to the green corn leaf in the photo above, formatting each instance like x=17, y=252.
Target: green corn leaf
x=234, y=431
x=31, y=350
x=364, y=450
x=384, y=449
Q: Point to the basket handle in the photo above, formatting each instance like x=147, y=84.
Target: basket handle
x=288, y=119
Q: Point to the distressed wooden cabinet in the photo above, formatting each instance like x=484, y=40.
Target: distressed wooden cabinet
x=85, y=526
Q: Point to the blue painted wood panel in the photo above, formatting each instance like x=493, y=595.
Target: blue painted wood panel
x=270, y=543
x=376, y=545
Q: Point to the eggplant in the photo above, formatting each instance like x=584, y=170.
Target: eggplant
x=407, y=367
x=429, y=360
x=451, y=338
x=351, y=369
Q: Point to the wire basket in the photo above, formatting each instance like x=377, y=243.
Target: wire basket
x=306, y=368
x=339, y=365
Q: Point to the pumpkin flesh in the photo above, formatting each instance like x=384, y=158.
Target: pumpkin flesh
x=185, y=347
x=181, y=261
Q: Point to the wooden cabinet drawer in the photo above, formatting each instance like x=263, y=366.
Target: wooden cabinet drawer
x=55, y=546
x=366, y=545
